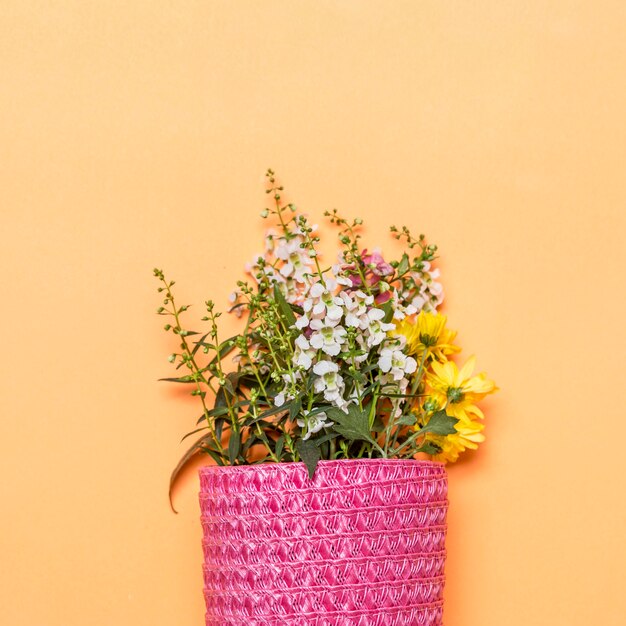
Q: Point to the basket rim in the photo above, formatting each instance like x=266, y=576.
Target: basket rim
x=325, y=463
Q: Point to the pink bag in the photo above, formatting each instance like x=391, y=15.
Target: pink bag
x=361, y=544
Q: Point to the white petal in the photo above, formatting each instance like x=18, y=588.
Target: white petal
x=352, y=320
x=302, y=342
x=410, y=365
x=317, y=290
x=323, y=367
x=375, y=314
x=385, y=363
x=319, y=308
x=335, y=312
x=304, y=360
x=317, y=341
x=332, y=349
x=302, y=322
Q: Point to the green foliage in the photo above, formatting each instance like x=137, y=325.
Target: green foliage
x=440, y=424
x=309, y=453
x=353, y=425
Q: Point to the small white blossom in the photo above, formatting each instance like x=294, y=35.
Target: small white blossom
x=304, y=353
x=314, y=423
x=282, y=397
x=329, y=381
x=395, y=361
x=322, y=303
x=430, y=292
x=372, y=321
x=297, y=262
x=400, y=310
x=302, y=322
x=327, y=336
x=355, y=304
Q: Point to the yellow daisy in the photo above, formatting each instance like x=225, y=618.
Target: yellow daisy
x=427, y=332
x=457, y=390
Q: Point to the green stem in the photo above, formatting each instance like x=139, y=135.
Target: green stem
x=195, y=369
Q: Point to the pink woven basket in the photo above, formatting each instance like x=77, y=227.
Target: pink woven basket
x=361, y=544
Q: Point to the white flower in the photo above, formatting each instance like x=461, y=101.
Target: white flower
x=282, y=397
x=329, y=381
x=314, y=423
x=355, y=304
x=400, y=309
x=270, y=238
x=304, y=353
x=327, y=336
x=395, y=361
x=302, y=322
x=322, y=303
x=296, y=259
x=430, y=292
x=341, y=271
x=377, y=329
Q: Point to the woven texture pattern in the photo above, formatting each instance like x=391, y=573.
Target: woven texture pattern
x=362, y=544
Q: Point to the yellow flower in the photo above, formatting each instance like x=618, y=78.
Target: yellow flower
x=457, y=390
x=427, y=332
x=468, y=435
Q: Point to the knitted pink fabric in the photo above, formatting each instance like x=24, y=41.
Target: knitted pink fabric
x=362, y=544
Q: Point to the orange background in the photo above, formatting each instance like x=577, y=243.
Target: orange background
x=136, y=134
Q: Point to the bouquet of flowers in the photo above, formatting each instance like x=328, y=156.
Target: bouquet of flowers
x=347, y=360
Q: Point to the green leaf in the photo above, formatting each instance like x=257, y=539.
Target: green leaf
x=274, y=411
x=193, y=432
x=229, y=383
x=320, y=440
x=354, y=425
x=309, y=453
x=221, y=410
x=252, y=440
x=221, y=399
x=234, y=445
x=387, y=307
x=278, y=450
x=407, y=420
x=428, y=448
x=358, y=376
x=199, y=343
x=295, y=407
x=214, y=455
x=403, y=266
x=180, y=379
x=440, y=424
x=227, y=346
x=283, y=306
x=197, y=447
